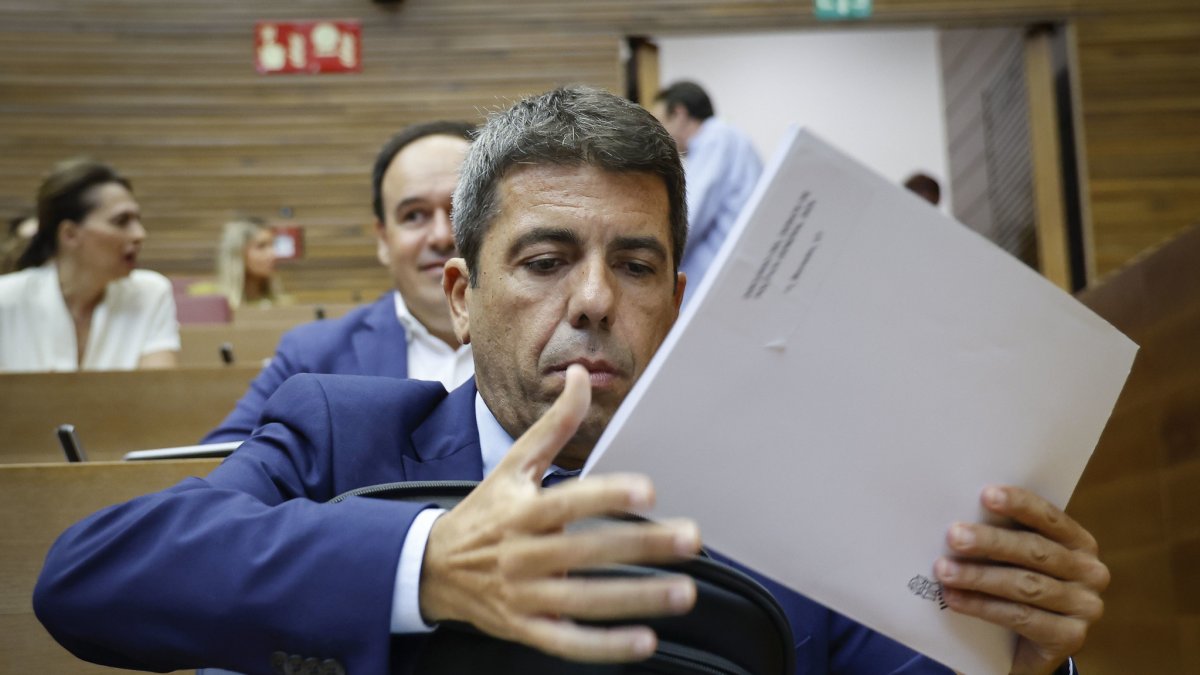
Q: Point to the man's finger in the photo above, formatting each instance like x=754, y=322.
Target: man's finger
x=1023, y=586
x=608, y=598
x=541, y=556
x=1054, y=634
x=585, y=643
x=1028, y=550
x=540, y=444
x=573, y=500
x=1034, y=512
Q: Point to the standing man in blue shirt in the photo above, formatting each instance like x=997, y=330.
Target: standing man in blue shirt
x=722, y=169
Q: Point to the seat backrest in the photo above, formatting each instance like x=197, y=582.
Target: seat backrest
x=193, y=309
x=735, y=628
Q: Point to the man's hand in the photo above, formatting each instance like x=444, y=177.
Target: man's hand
x=1040, y=578
x=499, y=559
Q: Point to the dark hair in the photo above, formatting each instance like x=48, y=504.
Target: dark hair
x=570, y=126
x=395, y=144
x=66, y=194
x=926, y=186
x=689, y=95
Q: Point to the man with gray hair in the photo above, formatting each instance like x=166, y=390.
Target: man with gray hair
x=570, y=220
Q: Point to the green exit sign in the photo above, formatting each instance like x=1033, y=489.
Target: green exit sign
x=842, y=9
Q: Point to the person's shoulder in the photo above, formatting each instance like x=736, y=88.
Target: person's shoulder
x=728, y=134
x=148, y=282
x=323, y=329
x=373, y=383
x=394, y=395
x=332, y=329
x=716, y=136
x=16, y=286
x=18, y=279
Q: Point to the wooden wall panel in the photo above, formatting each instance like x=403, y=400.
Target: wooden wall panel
x=167, y=92
x=1141, y=110
x=1140, y=494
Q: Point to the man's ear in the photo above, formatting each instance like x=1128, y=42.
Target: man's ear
x=680, y=286
x=381, y=244
x=456, y=284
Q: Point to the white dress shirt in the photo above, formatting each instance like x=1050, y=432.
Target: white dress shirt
x=429, y=358
x=136, y=317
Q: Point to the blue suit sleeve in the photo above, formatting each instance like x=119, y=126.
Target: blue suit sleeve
x=244, y=419
x=226, y=570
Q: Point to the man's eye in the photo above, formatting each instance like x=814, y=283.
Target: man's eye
x=543, y=265
x=414, y=217
x=638, y=269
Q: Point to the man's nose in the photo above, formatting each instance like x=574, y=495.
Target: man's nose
x=441, y=237
x=593, y=295
x=137, y=231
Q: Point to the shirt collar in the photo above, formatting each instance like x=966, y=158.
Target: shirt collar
x=494, y=441
x=412, y=327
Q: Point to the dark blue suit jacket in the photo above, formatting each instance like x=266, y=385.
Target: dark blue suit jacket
x=226, y=570
x=367, y=341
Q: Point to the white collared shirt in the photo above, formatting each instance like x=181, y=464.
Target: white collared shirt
x=429, y=358
x=136, y=317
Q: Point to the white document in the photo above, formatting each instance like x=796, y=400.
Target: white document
x=851, y=373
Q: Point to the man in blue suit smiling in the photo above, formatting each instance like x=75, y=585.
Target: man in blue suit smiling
x=407, y=331
x=569, y=217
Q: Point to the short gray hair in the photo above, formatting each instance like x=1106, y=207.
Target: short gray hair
x=570, y=126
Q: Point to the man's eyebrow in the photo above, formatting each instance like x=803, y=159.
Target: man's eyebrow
x=406, y=202
x=560, y=235
x=646, y=243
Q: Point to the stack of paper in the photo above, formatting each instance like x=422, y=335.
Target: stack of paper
x=851, y=373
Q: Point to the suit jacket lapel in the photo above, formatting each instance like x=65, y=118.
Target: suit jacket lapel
x=380, y=344
x=447, y=442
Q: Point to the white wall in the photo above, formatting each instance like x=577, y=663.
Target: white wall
x=876, y=94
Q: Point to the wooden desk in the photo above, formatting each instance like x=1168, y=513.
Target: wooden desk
x=113, y=412
x=293, y=314
x=253, y=334
x=38, y=502
x=252, y=343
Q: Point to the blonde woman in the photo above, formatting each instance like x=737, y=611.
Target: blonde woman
x=246, y=264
